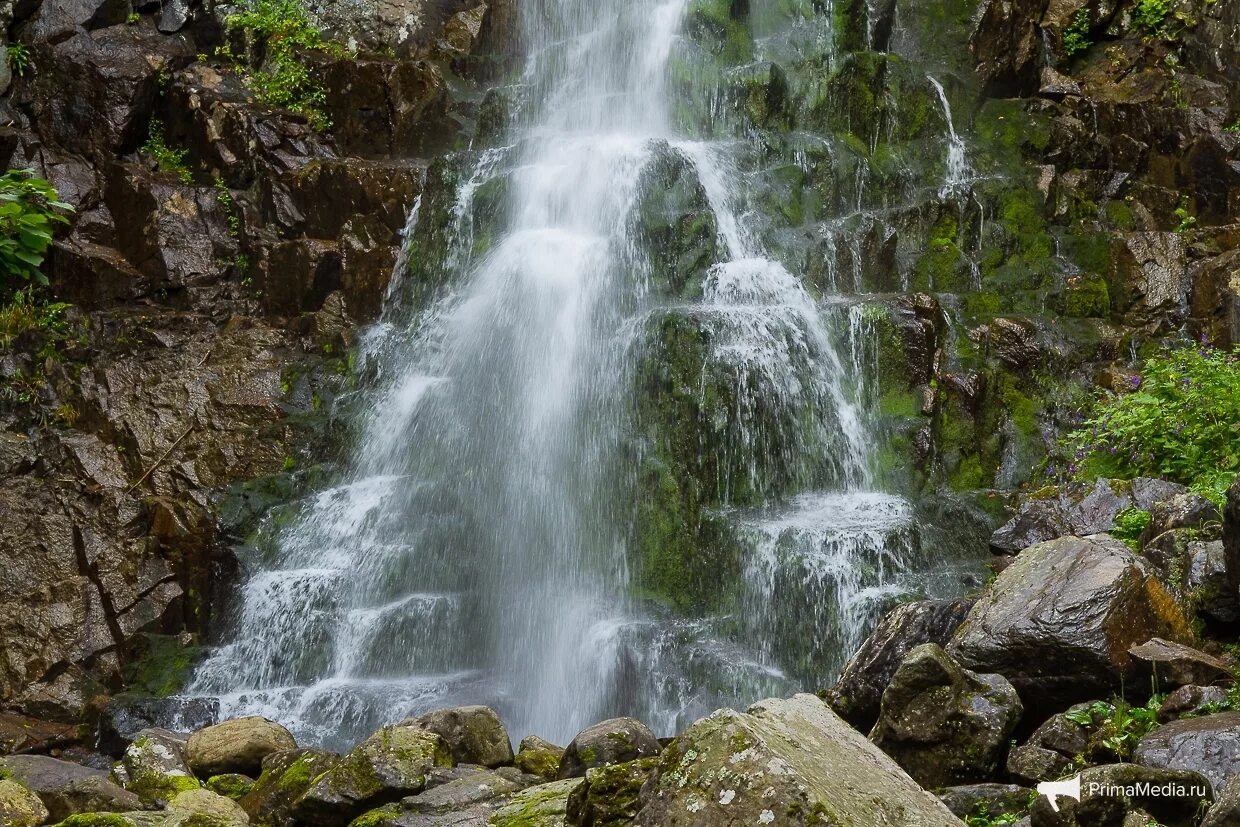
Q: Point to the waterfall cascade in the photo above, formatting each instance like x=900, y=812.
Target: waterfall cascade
x=480, y=547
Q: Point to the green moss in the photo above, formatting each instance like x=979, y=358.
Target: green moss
x=899, y=403
x=378, y=818
x=231, y=785
x=982, y=304
x=1087, y=297
x=968, y=475
x=95, y=820
x=720, y=28
x=164, y=666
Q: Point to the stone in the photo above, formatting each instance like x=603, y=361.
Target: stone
x=19, y=733
x=1231, y=535
x=1152, y=269
x=1110, y=793
x=788, y=762
x=387, y=766
x=19, y=807
x=1181, y=511
x=614, y=741
x=1175, y=664
x=1209, y=745
x=1032, y=764
x=1191, y=701
x=285, y=778
x=474, y=786
x=173, y=15
x=153, y=767
x=206, y=803
x=1226, y=809
x=942, y=724
x=238, y=745
x=539, y=757
x=125, y=716
x=473, y=734
x=544, y=805
x=1058, y=622
x=994, y=800
x=611, y=796
x=1207, y=583
x=858, y=692
x=66, y=788
x=1061, y=734
x=231, y=785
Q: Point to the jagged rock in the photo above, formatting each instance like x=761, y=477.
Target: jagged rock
x=1209, y=745
x=1055, y=84
x=614, y=741
x=538, y=757
x=1175, y=664
x=173, y=15
x=473, y=786
x=1191, y=701
x=942, y=724
x=19, y=807
x=1188, y=510
x=1058, y=622
x=387, y=766
x=1226, y=809
x=1207, y=583
x=473, y=734
x=545, y=805
x=858, y=692
x=153, y=767
x=1151, y=272
x=789, y=762
x=1006, y=45
x=1062, y=734
x=66, y=788
x=239, y=745
x=1032, y=764
x=1105, y=798
x=611, y=796
x=206, y=803
x=285, y=778
x=1231, y=535
x=992, y=799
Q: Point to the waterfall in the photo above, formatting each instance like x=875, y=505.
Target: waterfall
x=957, y=175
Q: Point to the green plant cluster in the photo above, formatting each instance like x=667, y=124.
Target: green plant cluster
x=1129, y=525
x=1152, y=15
x=1177, y=422
x=1076, y=36
x=18, y=57
x=30, y=207
x=282, y=33
x=26, y=311
x=1120, y=726
x=168, y=159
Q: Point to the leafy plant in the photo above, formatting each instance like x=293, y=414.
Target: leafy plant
x=224, y=196
x=25, y=312
x=168, y=159
x=29, y=208
x=18, y=57
x=1129, y=524
x=1119, y=726
x=1235, y=127
x=1152, y=15
x=1076, y=36
x=1186, y=219
x=981, y=817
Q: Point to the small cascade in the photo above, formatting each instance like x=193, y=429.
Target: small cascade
x=958, y=175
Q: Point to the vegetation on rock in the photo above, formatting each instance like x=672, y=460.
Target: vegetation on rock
x=30, y=208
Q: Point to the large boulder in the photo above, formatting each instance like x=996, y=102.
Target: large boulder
x=857, y=694
x=1110, y=794
x=545, y=805
x=285, y=778
x=239, y=745
x=613, y=741
x=611, y=796
x=537, y=756
x=945, y=725
x=1058, y=622
x=19, y=807
x=211, y=805
x=473, y=734
x=1209, y=745
x=387, y=766
x=995, y=800
x=787, y=762
x=66, y=788
x=153, y=767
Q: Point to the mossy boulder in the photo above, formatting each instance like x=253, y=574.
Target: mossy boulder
x=545, y=805
x=236, y=746
x=539, y=757
x=473, y=734
x=206, y=803
x=674, y=224
x=784, y=762
x=285, y=778
x=66, y=788
x=232, y=785
x=614, y=741
x=153, y=767
x=19, y=807
x=387, y=766
x=611, y=796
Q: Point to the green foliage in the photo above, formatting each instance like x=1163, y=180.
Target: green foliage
x=26, y=312
x=1186, y=219
x=981, y=817
x=1076, y=36
x=1235, y=127
x=29, y=208
x=19, y=58
x=284, y=34
x=168, y=159
x=1178, y=422
x=1129, y=524
x=224, y=196
x=1119, y=725
x=1151, y=15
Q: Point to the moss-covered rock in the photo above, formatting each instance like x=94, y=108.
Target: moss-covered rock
x=614, y=741
x=236, y=746
x=539, y=757
x=202, y=802
x=611, y=796
x=285, y=778
x=232, y=785
x=472, y=734
x=19, y=807
x=154, y=768
x=674, y=225
x=545, y=805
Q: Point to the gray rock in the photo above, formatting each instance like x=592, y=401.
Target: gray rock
x=1175, y=664
x=993, y=800
x=1231, y=535
x=473, y=734
x=1058, y=622
x=153, y=767
x=1111, y=793
x=66, y=788
x=238, y=745
x=1207, y=583
x=19, y=807
x=1032, y=764
x=285, y=778
x=1187, y=510
x=1226, y=809
x=613, y=741
x=945, y=725
x=473, y=787
x=125, y=716
x=1191, y=700
x=1209, y=745
x=173, y=15
x=1061, y=734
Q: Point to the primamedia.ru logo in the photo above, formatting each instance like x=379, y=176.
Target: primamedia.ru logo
x=1073, y=788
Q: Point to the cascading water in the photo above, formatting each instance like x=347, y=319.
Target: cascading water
x=479, y=548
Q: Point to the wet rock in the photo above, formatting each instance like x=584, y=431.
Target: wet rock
x=1109, y=794
x=473, y=734
x=1061, y=734
x=19, y=733
x=1182, y=511
x=611, y=796
x=858, y=692
x=788, y=762
x=239, y=745
x=153, y=767
x=1226, y=809
x=125, y=716
x=545, y=805
x=208, y=804
x=1006, y=45
x=538, y=757
x=1175, y=664
x=1209, y=745
x=231, y=785
x=1191, y=701
x=66, y=788
x=675, y=224
x=173, y=15
x=285, y=778
x=1055, y=84
x=19, y=807
x=942, y=724
x=473, y=786
x=1058, y=622
x=614, y=741
x=992, y=799
x=1032, y=764
x=1231, y=535
x=387, y=766
x=1207, y=583
x=1150, y=274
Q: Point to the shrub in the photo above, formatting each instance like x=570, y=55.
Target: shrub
x=168, y=159
x=1076, y=36
x=1152, y=15
x=29, y=209
x=18, y=57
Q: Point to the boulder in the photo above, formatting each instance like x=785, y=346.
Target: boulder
x=1231, y=535
x=153, y=767
x=1032, y=764
x=613, y=741
x=1187, y=510
x=1175, y=664
x=231, y=784
x=211, y=805
x=125, y=716
x=994, y=800
x=66, y=788
x=539, y=757
x=1111, y=793
x=472, y=786
x=473, y=734
x=859, y=690
x=545, y=805
x=1226, y=809
x=1058, y=622
x=1191, y=701
x=19, y=733
x=236, y=746
x=285, y=777
x=789, y=762
x=611, y=796
x=1209, y=745
x=1207, y=583
x=19, y=807
x=387, y=766
x=945, y=725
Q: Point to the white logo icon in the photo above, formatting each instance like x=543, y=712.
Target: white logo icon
x=1053, y=789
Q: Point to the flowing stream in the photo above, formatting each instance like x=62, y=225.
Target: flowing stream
x=477, y=549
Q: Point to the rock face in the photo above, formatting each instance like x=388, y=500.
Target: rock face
x=1209, y=745
x=790, y=762
x=1058, y=622
x=945, y=725
x=858, y=692
x=473, y=734
x=66, y=788
x=613, y=741
x=239, y=746
x=1226, y=809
